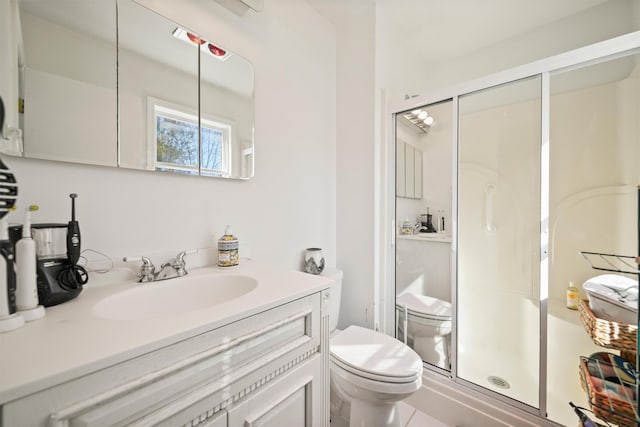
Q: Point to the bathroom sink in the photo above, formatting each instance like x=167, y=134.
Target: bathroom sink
x=173, y=297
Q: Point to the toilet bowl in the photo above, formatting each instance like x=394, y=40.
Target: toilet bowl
x=428, y=326
x=370, y=371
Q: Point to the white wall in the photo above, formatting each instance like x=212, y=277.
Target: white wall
x=594, y=175
x=355, y=162
x=288, y=206
x=424, y=267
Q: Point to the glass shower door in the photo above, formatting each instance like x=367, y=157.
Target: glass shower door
x=498, y=253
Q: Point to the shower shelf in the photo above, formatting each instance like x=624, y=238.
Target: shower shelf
x=607, y=333
x=612, y=262
x=610, y=399
x=603, y=389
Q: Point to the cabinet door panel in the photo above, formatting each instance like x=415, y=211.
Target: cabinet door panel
x=417, y=175
x=409, y=164
x=291, y=401
x=289, y=412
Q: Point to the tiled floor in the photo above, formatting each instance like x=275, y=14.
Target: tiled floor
x=411, y=417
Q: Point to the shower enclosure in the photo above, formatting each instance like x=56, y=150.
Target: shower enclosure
x=544, y=163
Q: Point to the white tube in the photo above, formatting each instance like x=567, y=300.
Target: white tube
x=27, y=285
x=26, y=290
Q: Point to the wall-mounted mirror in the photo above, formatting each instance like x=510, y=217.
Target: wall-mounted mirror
x=174, y=102
x=69, y=81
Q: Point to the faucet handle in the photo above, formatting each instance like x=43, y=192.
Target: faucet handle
x=179, y=263
x=147, y=269
x=181, y=255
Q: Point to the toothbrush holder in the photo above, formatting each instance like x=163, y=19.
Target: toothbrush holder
x=313, y=261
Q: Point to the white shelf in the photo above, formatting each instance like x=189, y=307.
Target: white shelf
x=426, y=237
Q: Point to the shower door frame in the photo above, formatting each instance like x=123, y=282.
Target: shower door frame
x=578, y=58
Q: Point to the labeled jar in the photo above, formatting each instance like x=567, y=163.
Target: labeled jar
x=406, y=228
x=228, y=249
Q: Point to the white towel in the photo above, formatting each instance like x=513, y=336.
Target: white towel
x=614, y=281
x=624, y=288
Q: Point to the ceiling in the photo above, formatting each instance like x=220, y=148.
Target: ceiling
x=455, y=27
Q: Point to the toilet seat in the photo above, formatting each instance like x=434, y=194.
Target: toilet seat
x=424, y=306
x=374, y=356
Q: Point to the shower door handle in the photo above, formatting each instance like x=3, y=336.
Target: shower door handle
x=489, y=195
x=393, y=233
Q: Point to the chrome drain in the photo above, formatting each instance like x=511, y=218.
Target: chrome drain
x=499, y=382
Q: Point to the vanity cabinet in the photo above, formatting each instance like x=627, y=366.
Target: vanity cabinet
x=268, y=369
x=408, y=171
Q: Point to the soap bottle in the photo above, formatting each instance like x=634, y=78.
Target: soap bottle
x=407, y=227
x=227, y=249
x=27, y=290
x=573, y=296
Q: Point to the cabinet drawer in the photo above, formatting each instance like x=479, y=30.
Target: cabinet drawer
x=194, y=378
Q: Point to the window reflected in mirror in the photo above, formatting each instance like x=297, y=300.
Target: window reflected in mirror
x=176, y=142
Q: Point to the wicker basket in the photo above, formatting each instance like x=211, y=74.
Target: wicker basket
x=607, y=406
x=607, y=333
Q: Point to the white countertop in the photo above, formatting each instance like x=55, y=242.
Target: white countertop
x=71, y=340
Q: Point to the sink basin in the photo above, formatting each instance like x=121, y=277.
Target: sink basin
x=173, y=297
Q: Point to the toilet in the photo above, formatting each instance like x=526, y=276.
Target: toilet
x=370, y=371
x=428, y=324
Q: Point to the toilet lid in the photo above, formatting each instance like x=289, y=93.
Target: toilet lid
x=375, y=355
x=424, y=306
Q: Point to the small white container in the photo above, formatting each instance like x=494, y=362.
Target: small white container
x=26, y=289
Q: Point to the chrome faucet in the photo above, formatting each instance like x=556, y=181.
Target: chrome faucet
x=147, y=269
x=175, y=267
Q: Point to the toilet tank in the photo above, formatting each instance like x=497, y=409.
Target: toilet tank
x=335, y=295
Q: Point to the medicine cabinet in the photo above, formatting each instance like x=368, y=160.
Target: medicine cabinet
x=408, y=171
x=157, y=97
